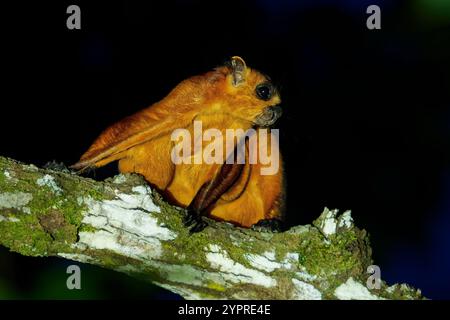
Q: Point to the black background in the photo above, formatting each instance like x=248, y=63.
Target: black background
x=365, y=124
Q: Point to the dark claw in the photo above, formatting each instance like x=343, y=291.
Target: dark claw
x=57, y=166
x=194, y=220
x=190, y=218
x=268, y=225
x=198, y=226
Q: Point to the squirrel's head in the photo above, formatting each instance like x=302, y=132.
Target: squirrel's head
x=245, y=93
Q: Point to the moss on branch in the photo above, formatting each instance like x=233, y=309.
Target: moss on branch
x=121, y=224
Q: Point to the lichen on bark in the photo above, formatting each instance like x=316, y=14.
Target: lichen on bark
x=121, y=224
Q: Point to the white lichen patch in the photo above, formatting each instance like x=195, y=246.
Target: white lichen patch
x=125, y=225
x=234, y=240
x=121, y=243
x=329, y=222
x=292, y=257
x=119, y=179
x=346, y=220
x=128, y=268
x=141, y=199
x=80, y=200
x=235, y=272
x=30, y=167
x=15, y=200
x=142, y=190
x=10, y=176
x=299, y=229
x=405, y=287
x=265, y=262
x=49, y=182
x=77, y=257
x=303, y=275
x=269, y=255
x=186, y=274
x=305, y=291
x=7, y=174
x=353, y=290
x=191, y=276
x=184, y=292
x=213, y=248
x=290, y=260
x=392, y=288
x=10, y=219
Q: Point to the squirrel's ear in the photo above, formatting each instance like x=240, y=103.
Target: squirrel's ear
x=238, y=70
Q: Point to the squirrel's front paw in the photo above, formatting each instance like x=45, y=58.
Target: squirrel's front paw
x=194, y=221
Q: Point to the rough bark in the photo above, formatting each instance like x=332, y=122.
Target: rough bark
x=121, y=224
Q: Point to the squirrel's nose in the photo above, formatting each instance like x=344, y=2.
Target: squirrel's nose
x=269, y=116
x=277, y=111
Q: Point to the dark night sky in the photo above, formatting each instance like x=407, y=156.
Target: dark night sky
x=366, y=121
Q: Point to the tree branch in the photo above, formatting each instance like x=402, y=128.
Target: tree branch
x=121, y=224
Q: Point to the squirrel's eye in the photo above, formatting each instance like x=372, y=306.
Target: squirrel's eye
x=264, y=91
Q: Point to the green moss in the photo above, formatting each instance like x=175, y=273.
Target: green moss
x=285, y=243
x=402, y=292
x=44, y=202
x=215, y=286
x=301, y=259
x=54, y=219
x=238, y=253
x=111, y=260
x=260, y=293
x=56, y=225
x=2, y=179
x=169, y=215
x=6, y=185
x=86, y=228
x=340, y=256
x=17, y=236
x=193, y=249
x=96, y=194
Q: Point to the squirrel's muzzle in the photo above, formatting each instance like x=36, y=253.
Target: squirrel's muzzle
x=269, y=116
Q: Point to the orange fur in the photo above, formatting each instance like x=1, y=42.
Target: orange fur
x=142, y=144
